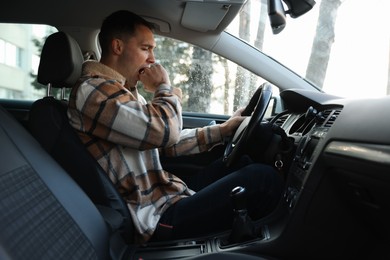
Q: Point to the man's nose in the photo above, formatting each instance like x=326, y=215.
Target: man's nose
x=151, y=58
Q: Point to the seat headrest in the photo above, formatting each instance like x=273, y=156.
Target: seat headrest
x=61, y=61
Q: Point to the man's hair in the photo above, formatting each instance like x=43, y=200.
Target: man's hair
x=120, y=24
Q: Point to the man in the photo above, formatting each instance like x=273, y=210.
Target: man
x=124, y=133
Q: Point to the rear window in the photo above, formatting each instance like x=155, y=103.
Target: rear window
x=20, y=48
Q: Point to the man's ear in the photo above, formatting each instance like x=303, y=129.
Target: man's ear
x=117, y=46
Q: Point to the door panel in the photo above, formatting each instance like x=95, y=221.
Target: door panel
x=18, y=108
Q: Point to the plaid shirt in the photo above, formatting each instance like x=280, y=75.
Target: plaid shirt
x=125, y=133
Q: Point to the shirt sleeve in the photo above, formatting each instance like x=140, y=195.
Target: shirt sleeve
x=194, y=141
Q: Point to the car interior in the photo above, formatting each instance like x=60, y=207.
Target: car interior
x=333, y=153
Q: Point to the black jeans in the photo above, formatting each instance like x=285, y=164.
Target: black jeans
x=210, y=208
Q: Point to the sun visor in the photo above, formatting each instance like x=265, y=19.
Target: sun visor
x=210, y=15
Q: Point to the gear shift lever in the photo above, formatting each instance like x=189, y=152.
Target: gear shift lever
x=243, y=229
x=238, y=198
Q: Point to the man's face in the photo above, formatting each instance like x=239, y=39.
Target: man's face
x=137, y=54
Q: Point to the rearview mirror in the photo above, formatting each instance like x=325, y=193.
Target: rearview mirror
x=297, y=8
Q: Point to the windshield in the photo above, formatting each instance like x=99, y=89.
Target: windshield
x=341, y=47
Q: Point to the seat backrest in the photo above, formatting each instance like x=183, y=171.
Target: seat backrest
x=60, y=67
x=43, y=213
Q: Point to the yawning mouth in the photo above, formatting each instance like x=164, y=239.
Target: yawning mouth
x=142, y=70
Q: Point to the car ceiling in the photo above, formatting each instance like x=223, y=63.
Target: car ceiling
x=89, y=14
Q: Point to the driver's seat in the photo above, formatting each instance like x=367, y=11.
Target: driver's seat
x=60, y=67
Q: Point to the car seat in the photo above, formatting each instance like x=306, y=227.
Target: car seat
x=60, y=67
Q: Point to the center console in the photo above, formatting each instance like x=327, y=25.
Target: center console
x=302, y=163
x=190, y=248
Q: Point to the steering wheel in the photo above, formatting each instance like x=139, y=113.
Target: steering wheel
x=254, y=111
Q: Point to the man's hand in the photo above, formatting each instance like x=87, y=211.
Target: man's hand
x=153, y=77
x=227, y=128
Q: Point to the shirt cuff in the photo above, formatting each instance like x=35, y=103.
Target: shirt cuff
x=163, y=88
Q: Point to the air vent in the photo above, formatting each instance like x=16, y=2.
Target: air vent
x=331, y=116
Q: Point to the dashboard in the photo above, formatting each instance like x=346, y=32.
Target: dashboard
x=338, y=184
x=308, y=129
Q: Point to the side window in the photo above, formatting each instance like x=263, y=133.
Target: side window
x=210, y=83
x=20, y=48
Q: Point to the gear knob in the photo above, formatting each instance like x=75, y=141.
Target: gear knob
x=238, y=198
x=243, y=229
